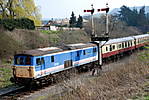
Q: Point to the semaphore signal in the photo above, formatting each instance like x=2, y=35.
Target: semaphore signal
x=103, y=9
x=107, y=20
x=94, y=36
x=92, y=12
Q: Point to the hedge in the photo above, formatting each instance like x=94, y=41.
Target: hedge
x=22, y=23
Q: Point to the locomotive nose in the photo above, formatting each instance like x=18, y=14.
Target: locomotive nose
x=24, y=71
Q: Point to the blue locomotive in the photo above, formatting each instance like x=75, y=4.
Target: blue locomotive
x=35, y=64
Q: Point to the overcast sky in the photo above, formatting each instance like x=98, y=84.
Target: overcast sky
x=63, y=8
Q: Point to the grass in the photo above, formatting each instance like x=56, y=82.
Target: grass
x=5, y=75
x=40, y=98
x=144, y=56
x=50, y=32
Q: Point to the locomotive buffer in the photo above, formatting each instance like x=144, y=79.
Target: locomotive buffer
x=98, y=39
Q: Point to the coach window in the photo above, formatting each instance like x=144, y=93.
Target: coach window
x=125, y=44
x=122, y=45
x=106, y=48
x=113, y=47
x=38, y=62
x=52, y=58
x=110, y=48
x=128, y=44
x=131, y=43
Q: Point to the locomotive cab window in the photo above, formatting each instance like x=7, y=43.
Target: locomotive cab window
x=22, y=60
x=17, y=60
x=28, y=60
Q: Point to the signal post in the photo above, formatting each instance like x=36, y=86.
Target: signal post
x=98, y=39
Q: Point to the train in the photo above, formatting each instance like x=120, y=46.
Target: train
x=39, y=64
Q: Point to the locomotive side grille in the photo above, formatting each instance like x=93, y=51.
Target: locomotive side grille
x=24, y=71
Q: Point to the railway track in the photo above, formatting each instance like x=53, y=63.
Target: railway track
x=10, y=91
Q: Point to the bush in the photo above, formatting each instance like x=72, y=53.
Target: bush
x=22, y=23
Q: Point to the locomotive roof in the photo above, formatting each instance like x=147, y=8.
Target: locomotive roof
x=79, y=46
x=50, y=50
x=39, y=51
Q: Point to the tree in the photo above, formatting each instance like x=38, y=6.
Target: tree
x=142, y=17
x=72, y=21
x=133, y=17
x=79, y=22
x=128, y=16
x=20, y=9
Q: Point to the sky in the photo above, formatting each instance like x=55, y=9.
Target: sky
x=63, y=8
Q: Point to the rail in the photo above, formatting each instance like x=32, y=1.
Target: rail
x=5, y=91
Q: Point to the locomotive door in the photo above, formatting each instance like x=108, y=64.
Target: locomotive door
x=42, y=67
x=77, y=55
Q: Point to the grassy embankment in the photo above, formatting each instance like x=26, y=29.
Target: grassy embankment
x=126, y=80
x=59, y=38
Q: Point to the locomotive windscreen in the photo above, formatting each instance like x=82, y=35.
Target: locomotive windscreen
x=23, y=60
